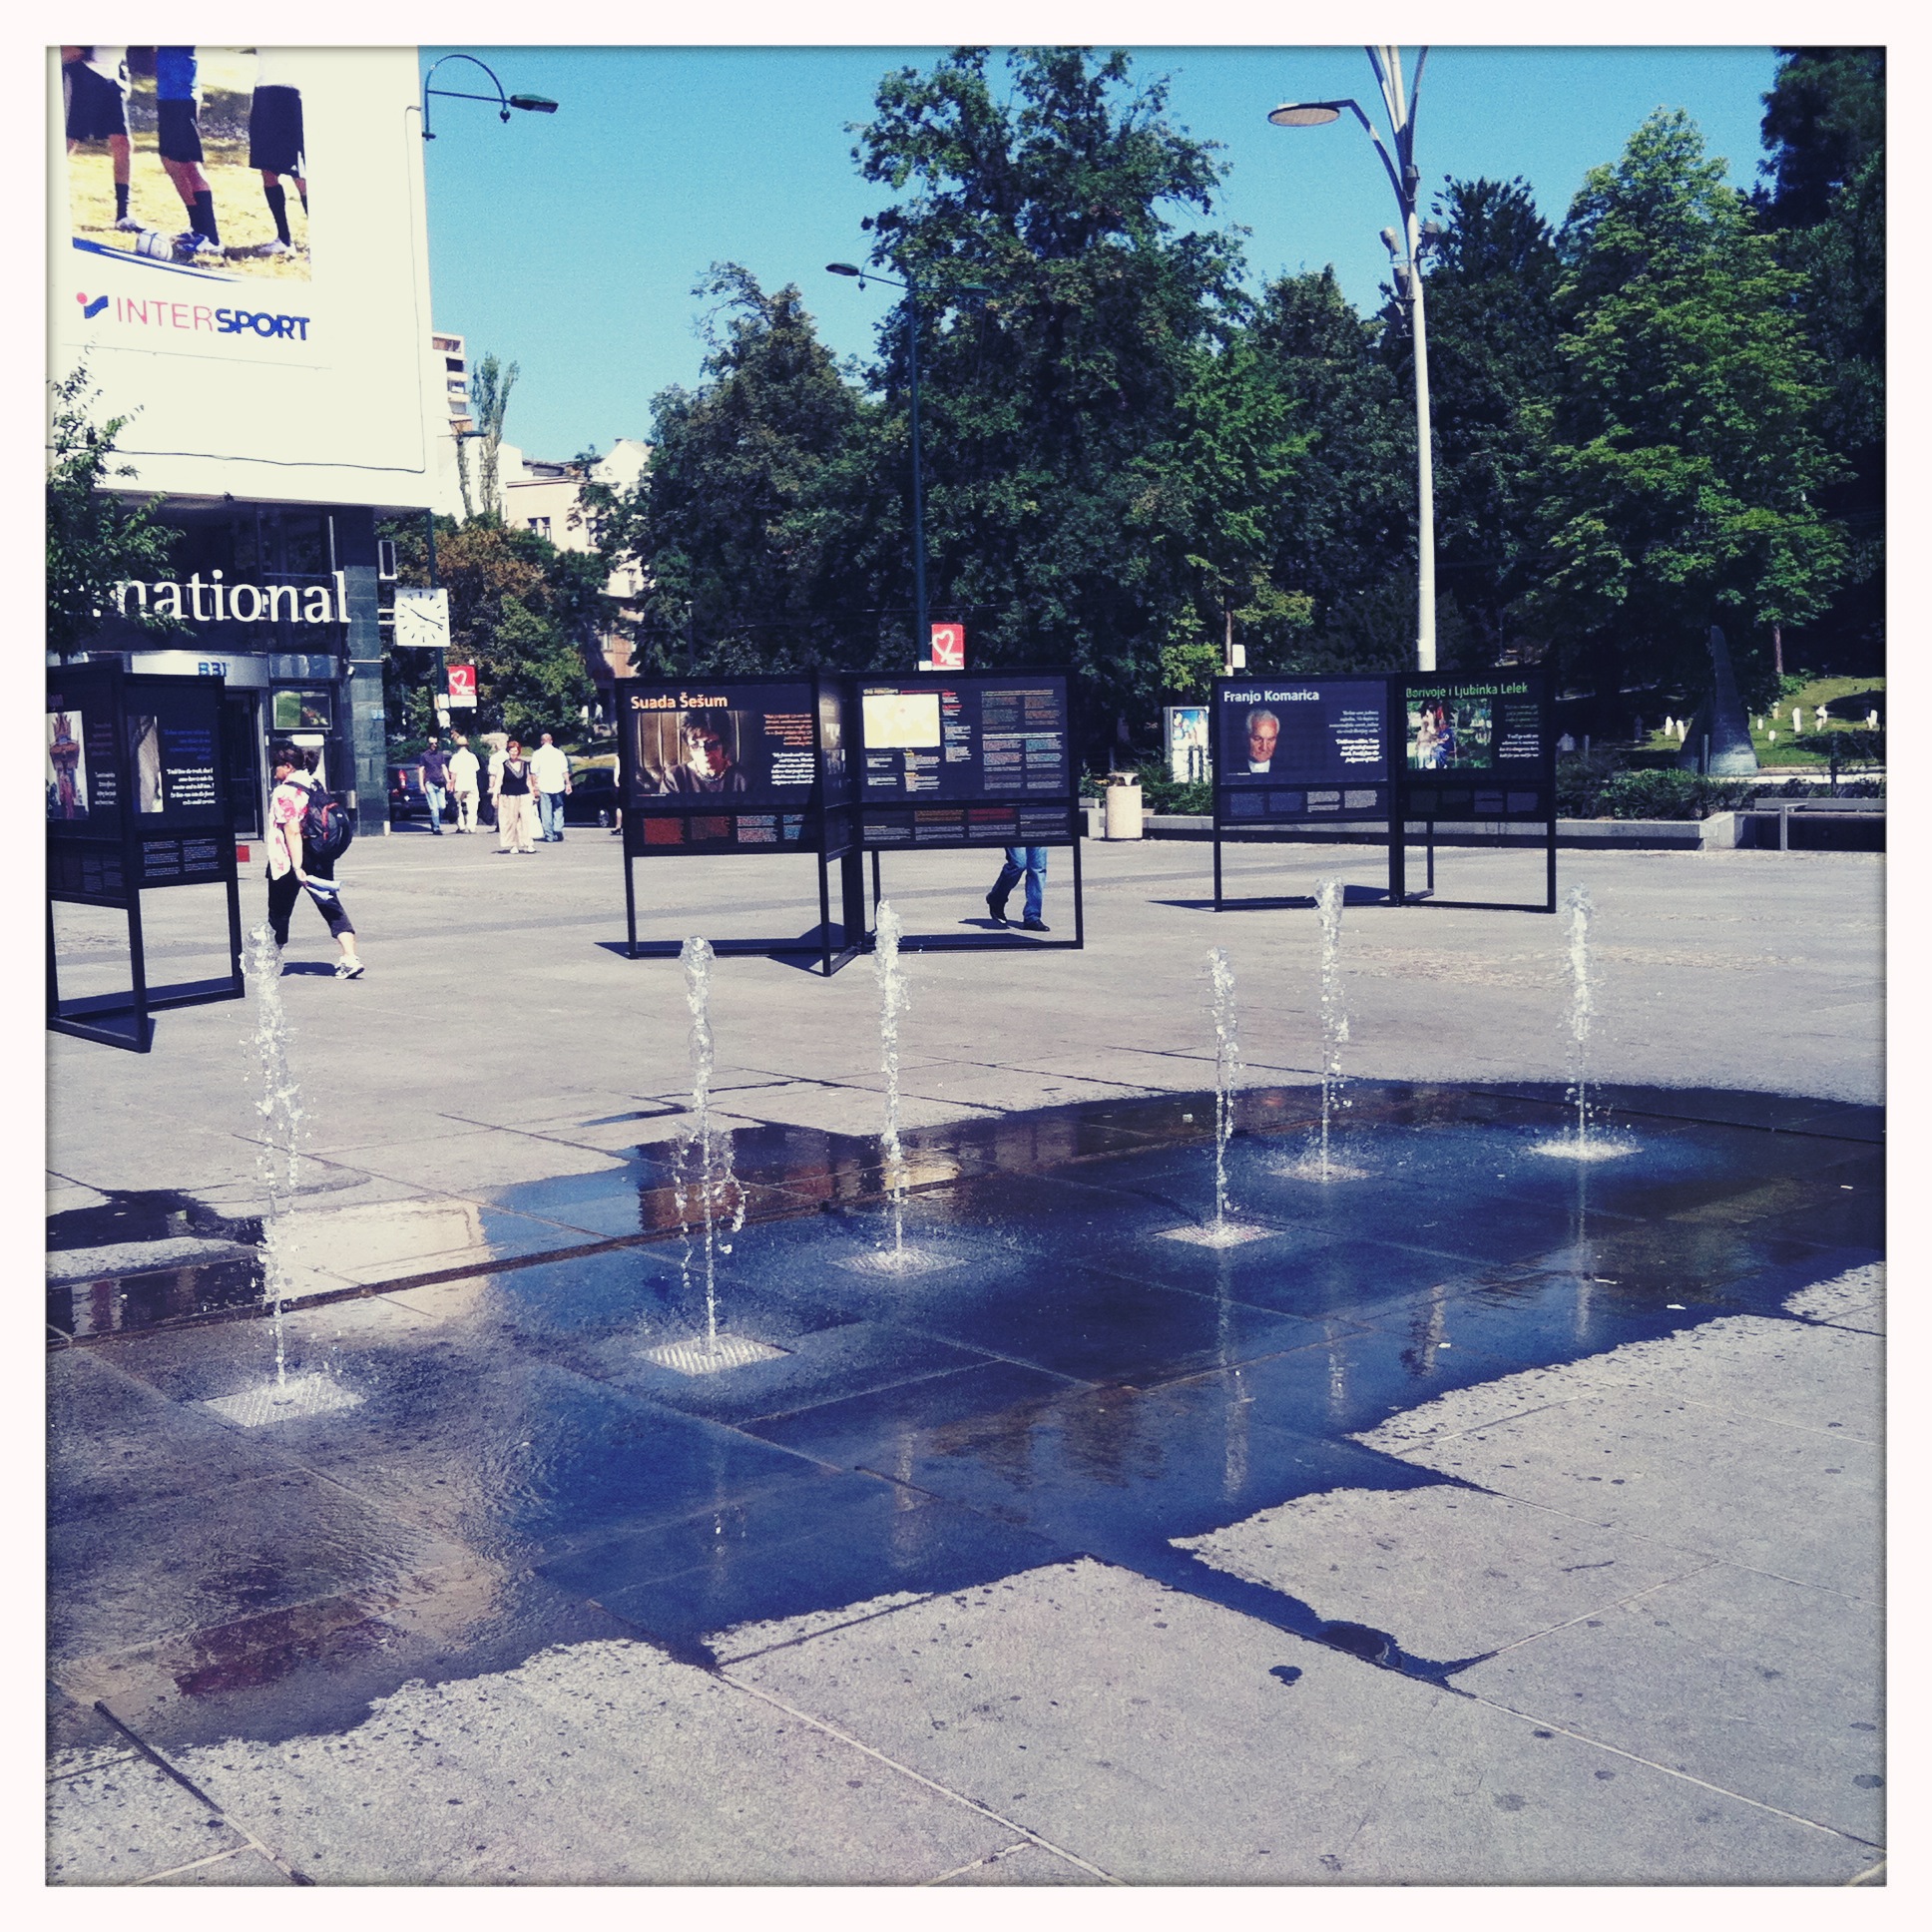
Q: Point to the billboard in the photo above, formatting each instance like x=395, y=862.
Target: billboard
x=728, y=764
x=977, y=760
x=238, y=249
x=1289, y=750
x=1477, y=747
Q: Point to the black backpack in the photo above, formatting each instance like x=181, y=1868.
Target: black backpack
x=326, y=827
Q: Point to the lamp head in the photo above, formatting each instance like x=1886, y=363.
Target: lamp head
x=533, y=102
x=843, y=268
x=1305, y=114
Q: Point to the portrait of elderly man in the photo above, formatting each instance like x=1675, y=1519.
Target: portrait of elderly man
x=1263, y=729
x=706, y=763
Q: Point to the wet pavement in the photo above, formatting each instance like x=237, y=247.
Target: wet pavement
x=1488, y=1519
x=490, y=1466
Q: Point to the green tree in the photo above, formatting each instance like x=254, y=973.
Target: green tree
x=1045, y=401
x=490, y=390
x=96, y=537
x=1212, y=499
x=1682, y=457
x=521, y=611
x=1824, y=130
x=1343, y=538
x=1490, y=282
x=748, y=518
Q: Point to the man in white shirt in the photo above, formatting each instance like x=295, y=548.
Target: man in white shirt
x=550, y=772
x=463, y=773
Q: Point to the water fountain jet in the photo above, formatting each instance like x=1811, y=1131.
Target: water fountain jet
x=1317, y=1162
x=717, y=1191
x=1221, y=1231
x=279, y=1168
x=1581, y=1144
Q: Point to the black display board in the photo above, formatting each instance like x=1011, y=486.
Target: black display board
x=137, y=798
x=1475, y=748
x=1294, y=752
x=737, y=764
x=964, y=760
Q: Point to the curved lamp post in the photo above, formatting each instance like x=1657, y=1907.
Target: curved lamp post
x=503, y=102
x=923, y=631
x=1405, y=254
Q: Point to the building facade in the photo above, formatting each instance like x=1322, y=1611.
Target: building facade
x=281, y=394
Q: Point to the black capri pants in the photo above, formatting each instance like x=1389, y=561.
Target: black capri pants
x=284, y=891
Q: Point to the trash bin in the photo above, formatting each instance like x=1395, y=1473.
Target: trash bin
x=1124, y=804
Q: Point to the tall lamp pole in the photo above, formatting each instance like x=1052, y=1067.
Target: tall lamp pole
x=1405, y=254
x=923, y=631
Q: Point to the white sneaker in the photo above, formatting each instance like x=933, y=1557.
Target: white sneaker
x=127, y=225
x=275, y=248
x=349, y=969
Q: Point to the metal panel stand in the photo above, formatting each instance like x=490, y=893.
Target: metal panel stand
x=831, y=957
x=1398, y=894
x=940, y=942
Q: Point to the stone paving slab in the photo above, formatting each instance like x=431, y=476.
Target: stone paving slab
x=606, y=1763
x=244, y=1867
x=1678, y=1473
x=1170, y=1741
x=1447, y=1570
x=124, y=1821
x=1766, y=1688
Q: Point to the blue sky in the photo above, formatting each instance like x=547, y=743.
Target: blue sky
x=570, y=242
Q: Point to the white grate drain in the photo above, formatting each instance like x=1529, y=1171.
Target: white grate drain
x=1227, y=1233
x=700, y=1356
x=900, y=1260
x=313, y=1394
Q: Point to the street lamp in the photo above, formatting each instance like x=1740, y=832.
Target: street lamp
x=1405, y=254
x=503, y=102
x=923, y=630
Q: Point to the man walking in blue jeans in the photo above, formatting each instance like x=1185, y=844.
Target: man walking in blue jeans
x=1032, y=860
x=435, y=784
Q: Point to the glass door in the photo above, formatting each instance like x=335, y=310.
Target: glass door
x=242, y=749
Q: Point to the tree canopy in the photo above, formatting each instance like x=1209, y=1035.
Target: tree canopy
x=96, y=537
x=1682, y=460
x=1666, y=412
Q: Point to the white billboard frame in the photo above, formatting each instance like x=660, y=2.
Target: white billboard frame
x=338, y=399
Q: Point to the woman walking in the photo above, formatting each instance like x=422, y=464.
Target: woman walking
x=513, y=801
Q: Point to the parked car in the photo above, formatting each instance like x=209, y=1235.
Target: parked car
x=406, y=798
x=593, y=797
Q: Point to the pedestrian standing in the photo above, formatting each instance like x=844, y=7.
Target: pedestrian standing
x=550, y=769
x=1030, y=860
x=497, y=742
x=463, y=773
x=292, y=865
x=435, y=784
x=513, y=787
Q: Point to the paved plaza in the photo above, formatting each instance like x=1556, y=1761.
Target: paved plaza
x=1488, y=1519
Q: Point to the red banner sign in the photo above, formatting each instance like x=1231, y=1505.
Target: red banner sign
x=948, y=647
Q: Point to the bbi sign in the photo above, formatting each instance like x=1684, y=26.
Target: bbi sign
x=462, y=687
x=948, y=647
